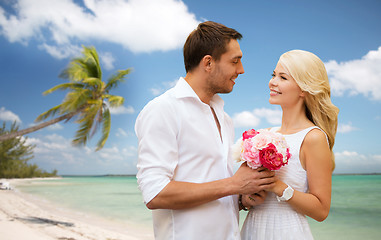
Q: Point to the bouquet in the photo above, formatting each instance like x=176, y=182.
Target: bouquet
x=262, y=148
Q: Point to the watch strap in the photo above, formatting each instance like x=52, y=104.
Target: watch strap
x=286, y=195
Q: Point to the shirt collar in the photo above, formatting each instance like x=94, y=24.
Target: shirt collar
x=184, y=90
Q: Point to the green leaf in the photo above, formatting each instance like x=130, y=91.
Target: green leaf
x=115, y=101
x=115, y=79
x=50, y=112
x=105, y=129
x=63, y=86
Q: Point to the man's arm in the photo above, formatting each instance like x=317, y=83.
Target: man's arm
x=156, y=128
x=180, y=195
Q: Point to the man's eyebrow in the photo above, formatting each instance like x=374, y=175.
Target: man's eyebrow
x=237, y=57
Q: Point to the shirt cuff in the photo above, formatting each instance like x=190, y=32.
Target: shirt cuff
x=150, y=189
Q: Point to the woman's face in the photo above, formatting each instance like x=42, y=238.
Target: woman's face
x=284, y=90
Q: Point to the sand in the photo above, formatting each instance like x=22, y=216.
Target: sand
x=21, y=218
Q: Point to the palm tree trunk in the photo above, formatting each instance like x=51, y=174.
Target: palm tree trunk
x=37, y=127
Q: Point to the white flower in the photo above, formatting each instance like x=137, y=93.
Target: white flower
x=236, y=150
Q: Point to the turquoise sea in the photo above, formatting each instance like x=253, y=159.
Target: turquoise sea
x=355, y=210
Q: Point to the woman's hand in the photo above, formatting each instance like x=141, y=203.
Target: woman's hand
x=278, y=187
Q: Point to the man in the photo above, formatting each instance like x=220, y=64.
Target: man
x=184, y=169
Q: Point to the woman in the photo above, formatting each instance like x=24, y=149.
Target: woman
x=300, y=86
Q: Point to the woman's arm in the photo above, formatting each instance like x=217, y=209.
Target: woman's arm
x=315, y=157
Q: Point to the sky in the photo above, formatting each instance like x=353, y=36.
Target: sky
x=38, y=38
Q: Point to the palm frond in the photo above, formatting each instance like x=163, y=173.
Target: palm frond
x=92, y=81
x=91, y=114
x=96, y=85
x=87, y=118
x=75, y=100
x=50, y=112
x=76, y=70
x=115, y=101
x=83, y=133
x=91, y=111
x=115, y=79
x=83, y=67
x=106, y=126
x=92, y=59
x=64, y=86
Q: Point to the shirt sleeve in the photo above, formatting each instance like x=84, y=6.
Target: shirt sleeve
x=156, y=129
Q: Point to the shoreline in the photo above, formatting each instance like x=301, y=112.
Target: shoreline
x=24, y=216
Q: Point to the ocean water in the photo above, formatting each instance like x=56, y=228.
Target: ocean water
x=355, y=209
x=112, y=198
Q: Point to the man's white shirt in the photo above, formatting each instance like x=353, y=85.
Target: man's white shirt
x=179, y=140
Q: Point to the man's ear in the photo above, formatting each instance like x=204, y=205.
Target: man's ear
x=207, y=62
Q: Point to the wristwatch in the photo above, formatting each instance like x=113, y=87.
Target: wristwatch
x=287, y=194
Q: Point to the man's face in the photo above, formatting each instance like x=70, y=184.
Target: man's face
x=226, y=69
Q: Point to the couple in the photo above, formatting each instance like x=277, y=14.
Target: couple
x=185, y=168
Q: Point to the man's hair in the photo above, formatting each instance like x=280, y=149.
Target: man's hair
x=209, y=38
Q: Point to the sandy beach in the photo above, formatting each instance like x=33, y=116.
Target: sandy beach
x=23, y=218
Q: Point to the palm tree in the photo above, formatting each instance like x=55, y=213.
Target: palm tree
x=88, y=99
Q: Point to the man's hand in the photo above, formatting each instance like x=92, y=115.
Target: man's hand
x=181, y=195
x=249, y=181
x=255, y=199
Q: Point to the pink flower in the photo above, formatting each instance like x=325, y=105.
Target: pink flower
x=288, y=154
x=270, y=158
x=262, y=148
x=261, y=140
x=250, y=154
x=249, y=134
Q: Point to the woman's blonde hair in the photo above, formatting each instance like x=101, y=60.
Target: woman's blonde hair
x=310, y=74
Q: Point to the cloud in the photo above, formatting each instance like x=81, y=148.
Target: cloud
x=60, y=25
x=360, y=76
x=55, y=127
x=61, y=52
x=246, y=119
x=164, y=87
x=345, y=128
x=272, y=116
x=353, y=162
x=122, y=110
x=253, y=118
x=108, y=60
x=121, y=133
x=56, y=152
x=50, y=143
x=7, y=115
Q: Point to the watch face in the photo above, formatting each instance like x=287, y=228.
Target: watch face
x=288, y=192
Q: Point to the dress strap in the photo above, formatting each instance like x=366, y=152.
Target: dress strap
x=316, y=127
x=305, y=131
x=274, y=129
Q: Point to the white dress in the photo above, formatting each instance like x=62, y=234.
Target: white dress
x=275, y=220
